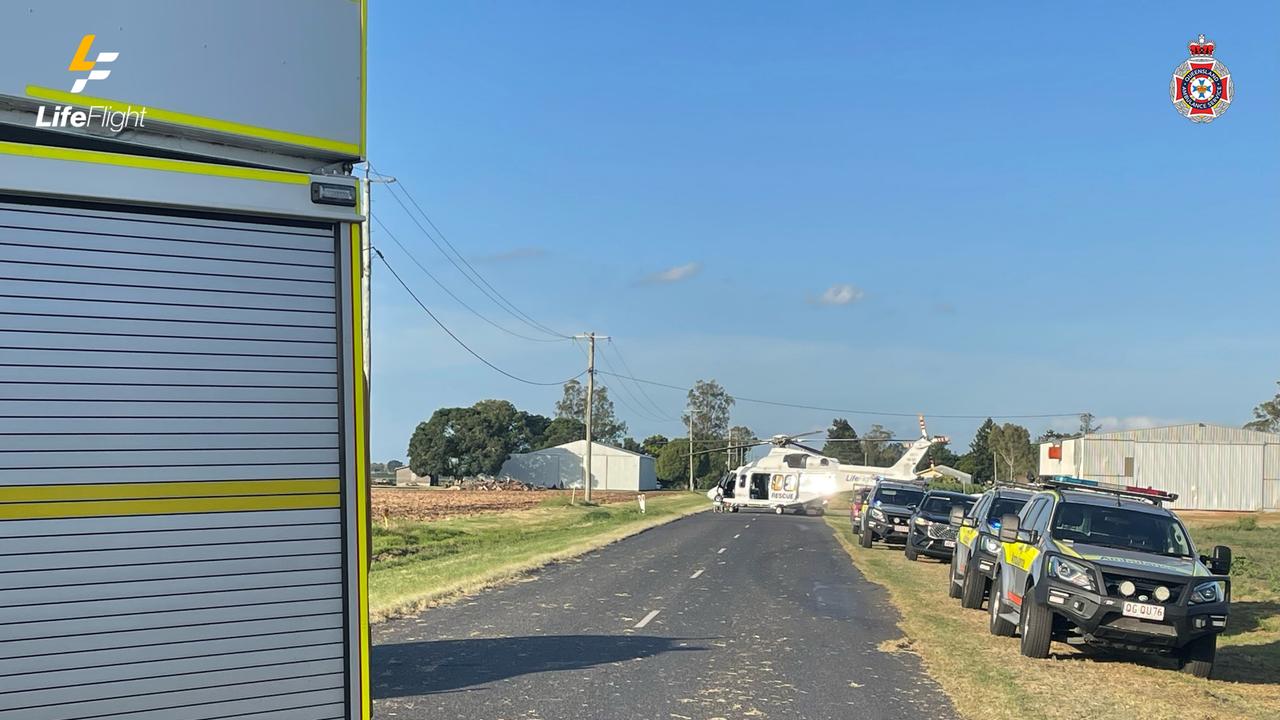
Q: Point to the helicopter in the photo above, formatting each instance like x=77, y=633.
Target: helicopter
x=799, y=478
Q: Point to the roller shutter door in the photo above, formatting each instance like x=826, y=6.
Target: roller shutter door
x=171, y=537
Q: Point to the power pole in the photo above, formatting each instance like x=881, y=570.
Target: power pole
x=591, y=391
x=366, y=275
x=690, y=423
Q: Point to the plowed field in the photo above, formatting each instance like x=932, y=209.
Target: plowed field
x=417, y=504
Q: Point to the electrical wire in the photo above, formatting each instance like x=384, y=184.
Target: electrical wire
x=625, y=366
x=640, y=410
x=1012, y=416
x=451, y=294
x=468, y=271
x=458, y=340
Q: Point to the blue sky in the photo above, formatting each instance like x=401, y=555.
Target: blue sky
x=1026, y=224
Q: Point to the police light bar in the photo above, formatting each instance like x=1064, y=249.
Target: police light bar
x=1130, y=490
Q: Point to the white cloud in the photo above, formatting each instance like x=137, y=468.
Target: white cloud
x=841, y=294
x=675, y=274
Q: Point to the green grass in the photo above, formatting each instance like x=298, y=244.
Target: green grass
x=417, y=564
x=987, y=677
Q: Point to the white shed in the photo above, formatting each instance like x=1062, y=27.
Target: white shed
x=1210, y=467
x=612, y=468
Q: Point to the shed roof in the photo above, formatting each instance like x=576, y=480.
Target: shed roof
x=1189, y=433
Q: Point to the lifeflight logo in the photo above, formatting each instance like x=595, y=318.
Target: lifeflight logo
x=110, y=118
x=82, y=63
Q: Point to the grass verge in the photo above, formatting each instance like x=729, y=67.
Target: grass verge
x=418, y=564
x=987, y=678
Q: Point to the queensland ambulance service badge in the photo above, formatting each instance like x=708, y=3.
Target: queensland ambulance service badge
x=1202, y=88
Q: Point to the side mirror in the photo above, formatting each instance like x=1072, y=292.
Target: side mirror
x=1220, y=561
x=1009, y=528
x=1027, y=536
x=957, y=515
x=969, y=522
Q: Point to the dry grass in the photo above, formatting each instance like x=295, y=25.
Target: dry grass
x=987, y=677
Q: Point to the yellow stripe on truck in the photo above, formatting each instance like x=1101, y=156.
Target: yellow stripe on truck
x=164, y=490
x=166, y=506
x=151, y=163
x=361, y=496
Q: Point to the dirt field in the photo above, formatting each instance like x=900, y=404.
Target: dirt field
x=421, y=504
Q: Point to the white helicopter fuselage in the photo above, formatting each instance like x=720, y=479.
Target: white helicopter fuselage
x=785, y=479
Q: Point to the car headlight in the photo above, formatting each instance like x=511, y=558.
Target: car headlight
x=877, y=513
x=990, y=544
x=921, y=521
x=1074, y=573
x=1212, y=591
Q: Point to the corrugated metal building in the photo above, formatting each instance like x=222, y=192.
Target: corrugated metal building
x=612, y=468
x=1210, y=467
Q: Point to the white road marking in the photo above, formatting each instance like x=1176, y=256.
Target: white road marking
x=645, y=620
x=695, y=575
x=721, y=550
x=735, y=537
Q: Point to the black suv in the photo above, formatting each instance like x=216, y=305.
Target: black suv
x=1107, y=565
x=977, y=542
x=889, y=509
x=931, y=530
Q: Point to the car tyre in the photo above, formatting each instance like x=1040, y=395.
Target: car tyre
x=998, y=625
x=778, y=510
x=1037, y=628
x=1197, y=656
x=954, y=589
x=972, y=587
x=864, y=538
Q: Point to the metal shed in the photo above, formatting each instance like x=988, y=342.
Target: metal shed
x=1210, y=467
x=612, y=468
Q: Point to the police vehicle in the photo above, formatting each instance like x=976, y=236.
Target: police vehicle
x=889, y=509
x=973, y=560
x=1108, y=565
x=931, y=532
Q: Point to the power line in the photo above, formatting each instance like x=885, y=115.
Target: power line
x=618, y=351
x=458, y=340
x=468, y=271
x=451, y=294
x=860, y=412
x=640, y=410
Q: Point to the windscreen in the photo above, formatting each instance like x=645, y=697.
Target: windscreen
x=941, y=504
x=900, y=496
x=1119, y=527
x=1007, y=506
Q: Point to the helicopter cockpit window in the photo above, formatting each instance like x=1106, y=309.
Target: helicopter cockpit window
x=796, y=461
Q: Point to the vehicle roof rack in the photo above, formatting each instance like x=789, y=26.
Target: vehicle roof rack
x=1009, y=484
x=1149, y=494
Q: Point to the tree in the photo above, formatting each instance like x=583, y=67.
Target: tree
x=653, y=445
x=977, y=462
x=707, y=412
x=629, y=443
x=560, y=431
x=876, y=448
x=605, y=426
x=462, y=442
x=672, y=467
x=739, y=436
x=846, y=452
x=940, y=454
x=394, y=465
x=1051, y=435
x=1266, y=416
x=1011, y=446
x=1087, y=426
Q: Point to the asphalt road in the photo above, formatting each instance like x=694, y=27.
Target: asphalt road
x=714, y=616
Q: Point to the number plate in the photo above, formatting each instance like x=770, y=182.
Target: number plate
x=949, y=543
x=1143, y=611
x=899, y=528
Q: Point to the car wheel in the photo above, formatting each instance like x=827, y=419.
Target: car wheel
x=1037, y=628
x=973, y=587
x=910, y=551
x=998, y=625
x=864, y=539
x=1197, y=656
x=954, y=589
x=777, y=510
